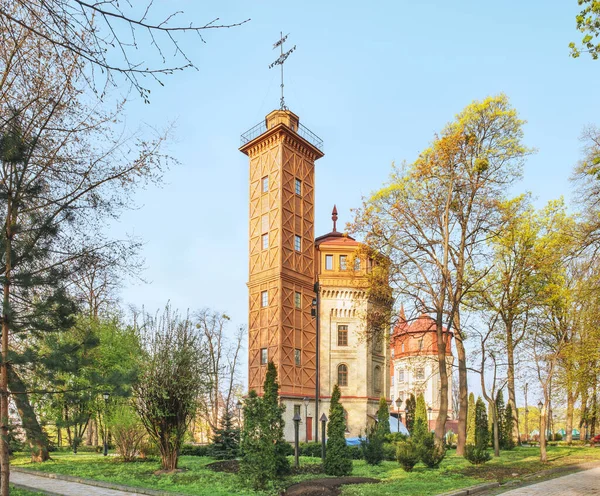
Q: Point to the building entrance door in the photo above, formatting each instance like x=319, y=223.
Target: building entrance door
x=308, y=429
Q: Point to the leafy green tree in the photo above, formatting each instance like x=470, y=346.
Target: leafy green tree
x=170, y=382
x=383, y=417
x=588, y=22
x=471, y=427
x=482, y=434
x=411, y=406
x=337, y=458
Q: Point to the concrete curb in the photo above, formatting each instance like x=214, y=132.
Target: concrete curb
x=90, y=482
x=526, y=480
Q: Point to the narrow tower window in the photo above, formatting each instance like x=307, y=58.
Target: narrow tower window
x=265, y=184
x=297, y=300
x=328, y=262
x=342, y=335
x=298, y=186
x=357, y=263
x=297, y=243
x=265, y=241
x=263, y=356
x=342, y=375
x=264, y=299
x=343, y=259
x=377, y=378
x=297, y=357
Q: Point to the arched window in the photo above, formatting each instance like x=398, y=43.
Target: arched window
x=377, y=378
x=342, y=375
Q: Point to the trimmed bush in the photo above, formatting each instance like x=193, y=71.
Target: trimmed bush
x=407, y=455
x=431, y=453
x=477, y=455
x=310, y=449
x=354, y=452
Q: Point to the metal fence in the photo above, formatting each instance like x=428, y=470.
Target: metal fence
x=261, y=127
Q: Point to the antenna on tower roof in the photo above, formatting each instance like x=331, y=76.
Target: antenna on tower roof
x=280, y=61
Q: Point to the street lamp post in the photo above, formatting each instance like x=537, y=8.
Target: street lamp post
x=106, y=395
x=323, y=422
x=398, y=405
x=296, y=420
x=306, y=402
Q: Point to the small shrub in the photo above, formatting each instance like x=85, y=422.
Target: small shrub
x=395, y=437
x=310, y=449
x=407, y=455
x=477, y=455
x=128, y=432
x=148, y=449
x=372, y=446
x=354, y=452
x=431, y=453
x=558, y=436
x=389, y=452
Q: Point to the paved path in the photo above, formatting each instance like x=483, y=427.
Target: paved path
x=584, y=483
x=63, y=487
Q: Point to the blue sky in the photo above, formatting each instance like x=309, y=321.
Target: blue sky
x=375, y=80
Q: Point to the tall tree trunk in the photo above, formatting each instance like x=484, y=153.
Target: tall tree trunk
x=496, y=430
x=570, y=411
x=36, y=438
x=4, y=419
x=543, y=429
x=463, y=393
x=89, y=440
x=95, y=438
x=510, y=353
x=440, y=424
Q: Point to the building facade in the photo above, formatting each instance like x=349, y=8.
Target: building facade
x=414, y=367
x=307, y=298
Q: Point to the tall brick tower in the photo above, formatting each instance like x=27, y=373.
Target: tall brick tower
x=282, y=272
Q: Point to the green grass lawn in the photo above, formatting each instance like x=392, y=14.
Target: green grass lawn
x=454, y=473
x=22, y=492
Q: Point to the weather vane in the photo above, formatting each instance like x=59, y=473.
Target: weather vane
x=280, y=61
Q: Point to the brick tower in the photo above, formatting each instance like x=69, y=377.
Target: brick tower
x=282, y=273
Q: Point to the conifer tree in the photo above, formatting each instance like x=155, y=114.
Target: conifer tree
x=257, y=464
x=482, y=436
x=421, y=426
x=383, y=417
x=507, y=429
x=226, y=441
x=273, y=420
x=337, y=458
x=411, y=405
x=471, y=427
x=501, y=415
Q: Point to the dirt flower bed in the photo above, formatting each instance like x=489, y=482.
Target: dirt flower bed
x=325, y=487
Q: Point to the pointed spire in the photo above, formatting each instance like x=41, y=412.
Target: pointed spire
x=334, y=217
x=402, y=314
